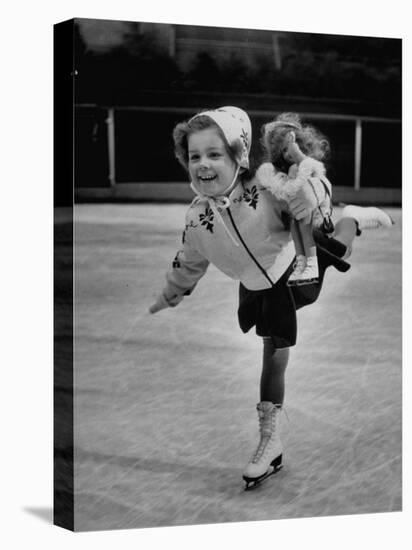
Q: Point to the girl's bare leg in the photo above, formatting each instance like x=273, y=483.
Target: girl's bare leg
x=272, y=380
x=346, y=230
x=357, y=218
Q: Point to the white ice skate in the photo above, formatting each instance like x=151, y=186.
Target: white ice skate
x=267, y=459
x=367, y=217
x=298, y=269
x=307, y=276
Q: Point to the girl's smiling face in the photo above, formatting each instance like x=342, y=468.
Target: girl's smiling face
x=211, y=167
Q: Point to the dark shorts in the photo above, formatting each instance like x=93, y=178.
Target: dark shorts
x=273, y=311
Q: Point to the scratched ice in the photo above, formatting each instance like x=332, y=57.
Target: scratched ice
x=165, y=404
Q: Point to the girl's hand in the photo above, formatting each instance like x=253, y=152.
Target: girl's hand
x=292, y=149
x=306, y=199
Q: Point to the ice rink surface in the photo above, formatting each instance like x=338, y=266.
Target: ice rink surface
x=164, y=408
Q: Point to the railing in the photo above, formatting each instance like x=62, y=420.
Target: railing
x=386, y=133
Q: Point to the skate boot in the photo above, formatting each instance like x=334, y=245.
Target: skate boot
x=267, y=459
x=309, y=275
x=367, y=217
x=298, y=269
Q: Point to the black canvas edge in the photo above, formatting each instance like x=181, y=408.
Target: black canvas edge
x=63, y=176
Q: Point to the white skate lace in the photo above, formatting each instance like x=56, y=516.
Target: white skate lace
x=368, y=218
x=260, y=451
x=265, y=439
x=371, y=224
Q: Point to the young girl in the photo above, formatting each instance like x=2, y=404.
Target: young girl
x=296, y=152
x=238, y=225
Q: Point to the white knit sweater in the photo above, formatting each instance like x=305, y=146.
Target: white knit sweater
x=256, y=208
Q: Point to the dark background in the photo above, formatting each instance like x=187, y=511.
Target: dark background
x=155, y=75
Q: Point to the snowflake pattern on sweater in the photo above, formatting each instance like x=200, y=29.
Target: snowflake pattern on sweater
x=206, y=219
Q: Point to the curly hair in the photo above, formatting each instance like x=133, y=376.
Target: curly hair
x=183, y=130
x=310, y=140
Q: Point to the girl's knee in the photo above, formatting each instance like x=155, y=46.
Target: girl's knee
x=269, y=348
x=345, y=231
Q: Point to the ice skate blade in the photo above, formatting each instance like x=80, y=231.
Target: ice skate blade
x=252, y=483
x=303, y=282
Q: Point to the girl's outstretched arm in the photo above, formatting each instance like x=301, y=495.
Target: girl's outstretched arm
x=188, y=267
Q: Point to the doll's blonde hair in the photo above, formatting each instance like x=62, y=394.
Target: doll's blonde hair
x=310, y=140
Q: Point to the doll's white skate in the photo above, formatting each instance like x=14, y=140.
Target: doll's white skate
x=267, y=459
x=298, y=269
x=305, y=272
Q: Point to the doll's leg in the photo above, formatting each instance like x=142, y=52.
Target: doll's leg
x=306, y=232
x=297, y=238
